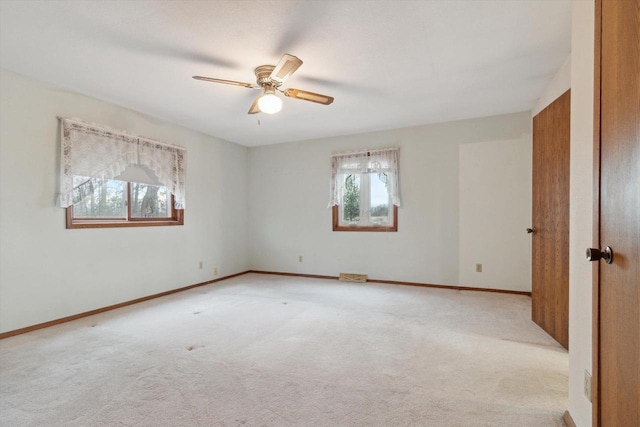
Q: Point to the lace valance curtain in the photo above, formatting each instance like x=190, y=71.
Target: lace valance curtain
x=94, y=151
x=382, y=161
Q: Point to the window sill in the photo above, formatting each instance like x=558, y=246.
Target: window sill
x=80, y=223
x=381, y=228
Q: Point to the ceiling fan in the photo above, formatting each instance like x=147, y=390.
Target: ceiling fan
x=269, y=78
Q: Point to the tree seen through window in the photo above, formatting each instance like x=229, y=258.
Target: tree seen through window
x=366, y=199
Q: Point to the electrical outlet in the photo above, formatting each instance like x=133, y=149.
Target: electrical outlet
x=215, y=271
x=478, y=268
x=587, y=385
x=200, y=265
x=299, y=258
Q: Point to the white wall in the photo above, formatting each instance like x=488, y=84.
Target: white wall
x=48, y=272
x=560, y=83
x=577, y=74
x=495, y=210
x=289, y=192
x=581, y=202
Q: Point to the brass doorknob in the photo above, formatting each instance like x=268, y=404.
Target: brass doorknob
x=594, y=254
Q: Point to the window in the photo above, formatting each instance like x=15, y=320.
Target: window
x=366, y=204
x=364, y=191
x=111, y=178
x=114, y=203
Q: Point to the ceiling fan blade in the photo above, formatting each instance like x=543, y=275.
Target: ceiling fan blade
x=287, y=66
x=228, y=82
x=254, y=107
x=308, y=96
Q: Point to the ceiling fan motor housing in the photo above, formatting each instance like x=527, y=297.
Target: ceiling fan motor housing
x=263, y=73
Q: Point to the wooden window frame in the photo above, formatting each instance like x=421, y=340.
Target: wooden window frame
x=337, y=226
x=176, y=218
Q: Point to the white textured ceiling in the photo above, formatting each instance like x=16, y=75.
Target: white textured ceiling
x=388, y=63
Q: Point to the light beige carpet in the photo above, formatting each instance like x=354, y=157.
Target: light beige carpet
x=261, y=350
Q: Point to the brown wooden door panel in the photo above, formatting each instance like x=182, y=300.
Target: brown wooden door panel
x=618, y=289
x=550, y=242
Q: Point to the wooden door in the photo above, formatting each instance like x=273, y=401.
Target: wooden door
x=617, y=285
x=550, y=241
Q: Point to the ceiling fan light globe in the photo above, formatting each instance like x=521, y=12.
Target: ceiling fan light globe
x=270, y=103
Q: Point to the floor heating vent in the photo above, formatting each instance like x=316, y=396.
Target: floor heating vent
x=351, y=277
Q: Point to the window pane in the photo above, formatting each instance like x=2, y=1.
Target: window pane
x=351, y=200
x=378, y=199
x=150, y=201
x=99, y=198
